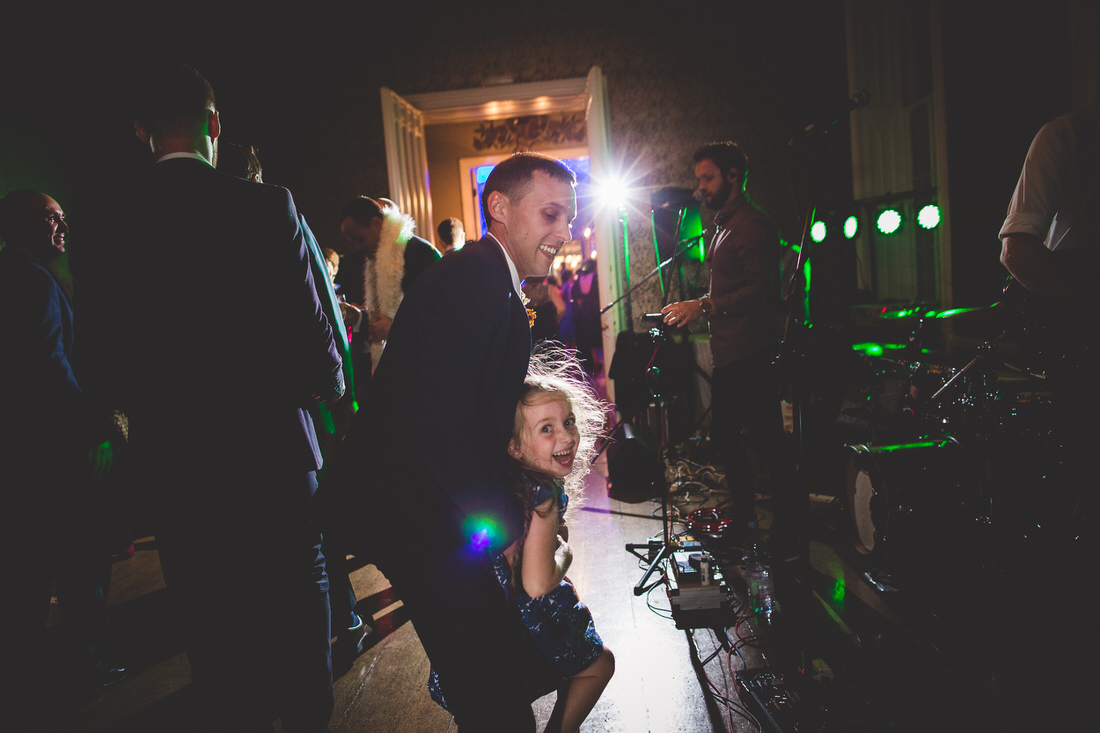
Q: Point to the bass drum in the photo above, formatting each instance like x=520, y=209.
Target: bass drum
x=903, y=497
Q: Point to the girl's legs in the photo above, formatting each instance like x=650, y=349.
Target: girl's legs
x=577, y=698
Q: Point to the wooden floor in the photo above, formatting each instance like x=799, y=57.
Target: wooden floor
x=896, y=665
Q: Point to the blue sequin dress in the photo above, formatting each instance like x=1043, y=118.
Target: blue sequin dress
x=558, y=621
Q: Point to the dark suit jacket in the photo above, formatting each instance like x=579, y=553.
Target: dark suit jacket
x=43, y=410
x=205, y=396
x=330, y=305
x=443, y=399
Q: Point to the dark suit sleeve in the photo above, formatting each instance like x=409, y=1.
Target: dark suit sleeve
x=469, y=387
x=329, y=302
x=309, y=342
x=44, y=342
x=419, y=254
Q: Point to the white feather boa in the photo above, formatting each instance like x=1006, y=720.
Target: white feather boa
x=382, y=275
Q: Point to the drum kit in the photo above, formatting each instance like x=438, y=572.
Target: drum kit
x=952, y=445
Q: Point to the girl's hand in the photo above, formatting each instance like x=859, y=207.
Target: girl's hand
x=563, y=557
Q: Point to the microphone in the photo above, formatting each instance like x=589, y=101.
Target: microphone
x=698, y=195
x=859, y=99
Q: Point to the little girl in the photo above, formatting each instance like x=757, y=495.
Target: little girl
x=553, y=439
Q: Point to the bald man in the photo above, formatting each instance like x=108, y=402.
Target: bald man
x=53, y=444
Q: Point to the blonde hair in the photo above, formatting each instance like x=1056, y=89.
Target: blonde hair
x=555, y=373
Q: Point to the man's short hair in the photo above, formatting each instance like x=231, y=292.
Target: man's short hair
x=726, y=155
x=240, y=161
x=362, y=209
x=172, y=98
x=447, y=230
x=512, y=176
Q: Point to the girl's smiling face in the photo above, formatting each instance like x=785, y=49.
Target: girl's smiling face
x=549, y=436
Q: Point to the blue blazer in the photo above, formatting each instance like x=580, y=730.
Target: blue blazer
x=42, y=407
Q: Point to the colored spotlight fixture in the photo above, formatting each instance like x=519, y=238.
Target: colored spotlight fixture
x=851, y=227
x=889, y=221
x=929, y=216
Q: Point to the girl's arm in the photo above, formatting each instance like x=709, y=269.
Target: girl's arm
x=546, y=556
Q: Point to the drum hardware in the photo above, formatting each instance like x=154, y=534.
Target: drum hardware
x=1002, y=479
x=901, y=497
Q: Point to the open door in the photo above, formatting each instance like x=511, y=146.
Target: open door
x=407, y=160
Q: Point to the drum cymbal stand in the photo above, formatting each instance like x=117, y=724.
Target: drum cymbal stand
x=982, y=355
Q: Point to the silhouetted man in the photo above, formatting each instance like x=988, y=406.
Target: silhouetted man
x=227, y=440
x=332, y=421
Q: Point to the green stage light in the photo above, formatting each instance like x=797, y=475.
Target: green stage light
x=889, y=221
x=817, y=231
x=851, y=227
x=929, y=216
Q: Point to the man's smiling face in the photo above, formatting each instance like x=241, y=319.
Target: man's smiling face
x=537, y=223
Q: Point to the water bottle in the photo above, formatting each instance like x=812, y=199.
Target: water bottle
x=758, y=573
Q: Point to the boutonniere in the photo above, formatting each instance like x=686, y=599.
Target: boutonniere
x=530, y=311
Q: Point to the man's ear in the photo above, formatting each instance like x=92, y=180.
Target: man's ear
x=141, y=134
x=498, y=206
x=733, y=175
x=213, y=124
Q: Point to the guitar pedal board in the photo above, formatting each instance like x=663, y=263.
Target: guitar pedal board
x=776, y=700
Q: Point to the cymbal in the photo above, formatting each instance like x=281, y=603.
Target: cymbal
x=975, y=312
x=918, y=311
x=902, y=312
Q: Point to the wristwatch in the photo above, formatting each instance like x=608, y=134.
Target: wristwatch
x=706, y=306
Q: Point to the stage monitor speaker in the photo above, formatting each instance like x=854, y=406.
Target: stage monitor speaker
x=630, y=370
x=628, y=367
x=633, y=468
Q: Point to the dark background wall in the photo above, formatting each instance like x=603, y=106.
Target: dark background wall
x=304, y=87
x=1006, y=75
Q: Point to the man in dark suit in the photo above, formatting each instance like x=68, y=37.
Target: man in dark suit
x=352, y=630
x=53, y=443
x=425, y=466
x=226, y=438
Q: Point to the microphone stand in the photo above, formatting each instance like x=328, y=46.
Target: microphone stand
x=791, y=362
x=682, y=246
x=655, y=554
